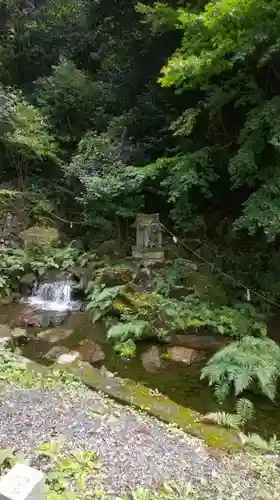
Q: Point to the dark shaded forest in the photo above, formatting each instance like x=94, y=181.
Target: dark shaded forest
x=108, y=109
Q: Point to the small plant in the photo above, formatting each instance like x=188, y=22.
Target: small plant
x=9, y=458
x=174, y=276
x=22, y=375
x=16, y=262
x=235, y=322
x=126, y=349
x=67, y=468
x=244, y=413
x=169, y=491
x=270, y=446
x=50, y=450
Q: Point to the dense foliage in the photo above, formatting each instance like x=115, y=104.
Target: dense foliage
x=109, y=108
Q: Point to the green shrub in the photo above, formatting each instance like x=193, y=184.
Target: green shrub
x=243, y=364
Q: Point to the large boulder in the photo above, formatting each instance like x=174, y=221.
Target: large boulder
x=207, y=343
x=182, y=354
x=113, y=276
x=39, y=236
x=28, y=279
x=90, y=351
x=56, y=351
x=27, y=282
x=42, y=319
x=68, y=358
x=134, y=300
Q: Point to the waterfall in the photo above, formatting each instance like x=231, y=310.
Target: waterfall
x=55, y=296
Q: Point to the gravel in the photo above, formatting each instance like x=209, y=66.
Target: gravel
x=134, y=450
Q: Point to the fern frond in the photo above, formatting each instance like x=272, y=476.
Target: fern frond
x=242, y=380
x=258, y=442
x=245, y=410
x=123, y=331
x=222, y=390
x=268, y=387
x=274, y=444
x=230, y=420
x=243, y=363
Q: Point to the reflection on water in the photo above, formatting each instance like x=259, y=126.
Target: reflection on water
x=179, y=382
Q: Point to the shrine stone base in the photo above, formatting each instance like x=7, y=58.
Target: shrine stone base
x=148, y=254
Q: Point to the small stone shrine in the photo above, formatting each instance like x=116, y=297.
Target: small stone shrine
x=148, y=238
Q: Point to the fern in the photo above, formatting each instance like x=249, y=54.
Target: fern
x=256, y=441
x=124, y=331
x=101, y=300
x=230, y=420
x=244, y=413
x=244, y=410
x=274, y=444
x=242, y=364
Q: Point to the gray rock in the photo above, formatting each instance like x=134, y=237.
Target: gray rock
x=39, y=236
x=5, y=331
x=151, y=359
x=68, y=358
x=54, y=335
x=182, y=354
x=106, y=373
x=91, y=351
x=55, y=352
x=18, y=332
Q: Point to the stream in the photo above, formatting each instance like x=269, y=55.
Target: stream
x=73, y=330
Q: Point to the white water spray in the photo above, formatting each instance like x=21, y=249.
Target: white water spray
x=55, y=296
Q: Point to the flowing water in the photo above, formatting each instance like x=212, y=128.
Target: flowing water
x=55, y=296
x=179, y=382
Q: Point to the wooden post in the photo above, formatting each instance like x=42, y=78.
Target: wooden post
x=22, y=483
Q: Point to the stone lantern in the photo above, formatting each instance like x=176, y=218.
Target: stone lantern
x=148, y=238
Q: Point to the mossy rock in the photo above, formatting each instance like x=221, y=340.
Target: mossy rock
x=40, y=236
x=160, y=406
x=113, y=276
x=142, y=301
x=131, y=299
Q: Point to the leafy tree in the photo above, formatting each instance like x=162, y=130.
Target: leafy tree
x=25, y=138
x=229, y=52
x=34, y=35
x=72, y=101
x=110, y=190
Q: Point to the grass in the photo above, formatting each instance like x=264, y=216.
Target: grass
x=67, y=471
x=70, y=475
x=15, y=374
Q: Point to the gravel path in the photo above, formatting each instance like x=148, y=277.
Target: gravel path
x=134, y=450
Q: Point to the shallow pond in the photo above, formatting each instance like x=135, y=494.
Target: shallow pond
x=179, y=382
